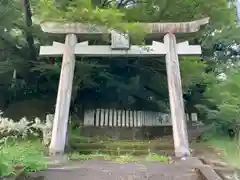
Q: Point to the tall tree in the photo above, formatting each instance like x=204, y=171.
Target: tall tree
x=29, y=34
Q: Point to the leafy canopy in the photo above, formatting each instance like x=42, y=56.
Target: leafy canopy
x=113, y=12
x=224, y=95
x=85, y=11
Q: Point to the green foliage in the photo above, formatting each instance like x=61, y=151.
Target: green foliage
x=5, y=168
x=222, y=100
x=227, y=149
x=156, y=157
x=82, y=11
x=77, y=156
x=115, y=16
x=10, y=11
x=21, y=156
x=177, y=10
x=152, y=11
x=225, y=94
x=85, y=12
x=18, y=154
x=192, y=74
x=121, y=158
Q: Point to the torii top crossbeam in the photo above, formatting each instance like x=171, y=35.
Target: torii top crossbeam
x=153, y=28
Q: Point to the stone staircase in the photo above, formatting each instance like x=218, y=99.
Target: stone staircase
x=86, y=145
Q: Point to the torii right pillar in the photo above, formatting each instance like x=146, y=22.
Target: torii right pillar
x=179, y=124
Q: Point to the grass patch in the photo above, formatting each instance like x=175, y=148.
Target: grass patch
x=103, y=145
x=119, y=158
x=76, y=139
x=156, y=158
x=228, y=149
x=21, y=156
x=125, y=158
x=77, y=156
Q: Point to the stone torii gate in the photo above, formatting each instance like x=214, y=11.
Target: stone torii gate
x=120, y=46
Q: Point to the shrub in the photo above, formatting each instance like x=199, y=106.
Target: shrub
x=24, y=128
x=45, y=128
x=16, y=152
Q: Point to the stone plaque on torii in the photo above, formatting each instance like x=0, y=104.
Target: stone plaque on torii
x=120, y=46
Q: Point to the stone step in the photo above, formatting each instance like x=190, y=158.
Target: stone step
x=114, y=145
x=125, y=151
x=221, y=168
x=81, y=139
x=99, y=169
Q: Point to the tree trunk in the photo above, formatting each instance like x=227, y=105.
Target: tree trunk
x=28, y=31
x=237, y=136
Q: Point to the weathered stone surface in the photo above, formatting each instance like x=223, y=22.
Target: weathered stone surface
x=106, y=170
x=109, y=170
x=153, y=28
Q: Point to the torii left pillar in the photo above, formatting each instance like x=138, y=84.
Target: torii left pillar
x=61, y=115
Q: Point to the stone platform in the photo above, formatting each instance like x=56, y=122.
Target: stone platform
x=189, y=169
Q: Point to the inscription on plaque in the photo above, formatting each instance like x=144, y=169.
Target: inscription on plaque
x=119, y=41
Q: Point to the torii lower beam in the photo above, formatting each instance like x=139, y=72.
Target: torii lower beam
x=83, y=49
